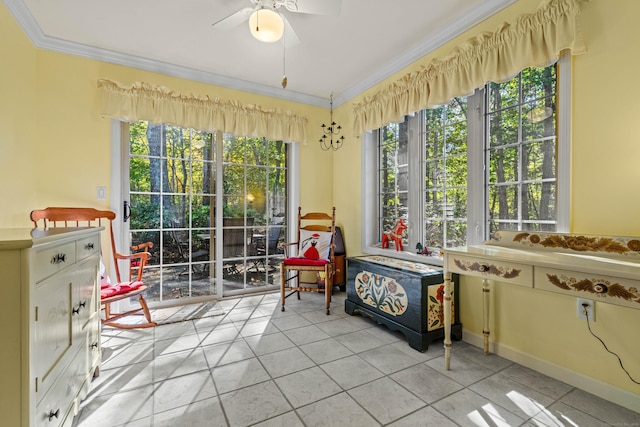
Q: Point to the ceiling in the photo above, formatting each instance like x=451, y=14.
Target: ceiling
x=342, y=55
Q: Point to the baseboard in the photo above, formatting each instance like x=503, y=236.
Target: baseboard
x=596, y=387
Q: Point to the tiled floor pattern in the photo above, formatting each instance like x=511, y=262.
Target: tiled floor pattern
x=256, y=365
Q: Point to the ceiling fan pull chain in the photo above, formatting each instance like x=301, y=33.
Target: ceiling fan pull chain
x=284, y=61
x=258, y=20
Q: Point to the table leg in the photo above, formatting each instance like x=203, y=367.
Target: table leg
x=485, y=313
x=446, y=305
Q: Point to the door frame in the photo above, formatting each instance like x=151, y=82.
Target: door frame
x=119, y=186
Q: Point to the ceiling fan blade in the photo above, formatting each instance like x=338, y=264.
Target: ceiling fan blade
x=234, y=19
x=290, y=36
x=318, y=7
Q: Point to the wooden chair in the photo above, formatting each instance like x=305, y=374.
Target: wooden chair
x=89, y=217
x=315, y=244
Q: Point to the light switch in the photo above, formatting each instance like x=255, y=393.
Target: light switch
x=101, y=193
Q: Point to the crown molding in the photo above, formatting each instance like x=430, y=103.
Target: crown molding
x=485, y=10
x=41, y=41
x=26, y=21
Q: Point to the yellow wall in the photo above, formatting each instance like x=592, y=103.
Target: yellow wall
x=55, y=151
x=17, y=121
x=55, y=147
x=605, y=184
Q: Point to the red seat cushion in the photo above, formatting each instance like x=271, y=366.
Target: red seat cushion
x=107, y=290
x=305, y=261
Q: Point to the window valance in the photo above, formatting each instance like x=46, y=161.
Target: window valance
x=536, y=39
x=142, y=101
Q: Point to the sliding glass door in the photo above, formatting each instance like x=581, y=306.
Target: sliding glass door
x=212, y=204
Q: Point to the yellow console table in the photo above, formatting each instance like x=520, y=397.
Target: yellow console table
x=603, y=268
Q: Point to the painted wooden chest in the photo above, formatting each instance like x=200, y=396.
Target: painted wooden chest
x=405, y=296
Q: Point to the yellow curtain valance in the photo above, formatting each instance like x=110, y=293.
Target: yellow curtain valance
x=534, y=40
x=158, y=104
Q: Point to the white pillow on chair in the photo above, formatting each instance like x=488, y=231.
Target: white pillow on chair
x=314, y=244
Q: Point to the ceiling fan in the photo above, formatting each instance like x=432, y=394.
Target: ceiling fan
x=268, y=24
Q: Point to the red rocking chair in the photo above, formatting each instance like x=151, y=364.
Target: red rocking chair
x=110, y=293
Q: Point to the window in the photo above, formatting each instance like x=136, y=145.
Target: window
x=394, y=173
x=495, y=160
x=521, y=151
x=445, y=174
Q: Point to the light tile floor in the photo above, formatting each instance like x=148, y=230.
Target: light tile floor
x=256, y=365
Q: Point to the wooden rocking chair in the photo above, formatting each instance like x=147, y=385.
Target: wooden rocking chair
x=89, y=217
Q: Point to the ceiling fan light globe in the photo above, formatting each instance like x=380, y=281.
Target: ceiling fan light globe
x=266, y=25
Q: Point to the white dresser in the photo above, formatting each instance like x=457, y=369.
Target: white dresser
x=49, y=323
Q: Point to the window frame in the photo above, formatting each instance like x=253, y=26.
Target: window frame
x=476, y=209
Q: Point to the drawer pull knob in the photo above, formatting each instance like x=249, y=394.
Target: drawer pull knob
x=76, y=311
x=53, y=415
x=88, y=246
x=82, y=304
x=58, y=258
x=484, y=267
x=94, y=345
x=600, y=288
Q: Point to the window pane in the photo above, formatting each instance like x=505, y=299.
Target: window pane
x=201, y=146
x=522, y=137
x=140, y=173
x=175, y=211
x=456, y=111
x=445, y=139
x=539, y=119
x=257, y=193
x=504, y=95
x=456, y=233
x=456, y=168
x=233, y=149
x=434, y=173
x=145, y=211
x=456, y=206
x=276, y=153
x=540, y=160
x=393, y=174
x=503, y=165
x=434, y=233
x=538, y=83
x=503, y=202
x=456, y=137
x=504, y=126
x=433, y=205
x=177, y=141
x=203, y=178
x=538, y=201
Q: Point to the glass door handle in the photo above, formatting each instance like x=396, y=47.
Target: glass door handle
x=126, y=211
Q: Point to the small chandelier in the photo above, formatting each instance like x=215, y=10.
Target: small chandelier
x=266, y=25
x=331, y=131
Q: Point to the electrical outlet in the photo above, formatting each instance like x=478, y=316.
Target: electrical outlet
x=586, y=306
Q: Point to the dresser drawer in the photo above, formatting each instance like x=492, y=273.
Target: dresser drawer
x=84, y=293
x=54, y=408
x=52, y=339
x=88, y=246
x=503, y=271
x=51, y=260
x=613, y=290
x=61, y=397
x=93, y=351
